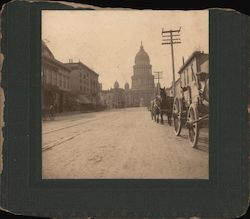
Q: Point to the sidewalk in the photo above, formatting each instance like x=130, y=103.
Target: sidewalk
x=60, y=116
x=67, y=113
x=71, y=113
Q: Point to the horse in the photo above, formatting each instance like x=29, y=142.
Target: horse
x=166, y=106
x=155, y=108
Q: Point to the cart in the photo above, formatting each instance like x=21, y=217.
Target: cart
x=191, y=107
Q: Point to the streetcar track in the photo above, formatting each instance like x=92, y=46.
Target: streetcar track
x=61, y=142
x=52, y=145
x=74, y=125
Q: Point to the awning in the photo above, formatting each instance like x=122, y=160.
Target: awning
x=84, y=99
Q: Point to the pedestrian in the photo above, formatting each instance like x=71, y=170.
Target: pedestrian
x=51, y=111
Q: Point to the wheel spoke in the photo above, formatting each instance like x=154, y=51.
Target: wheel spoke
x=177, y=116
x=193, y=126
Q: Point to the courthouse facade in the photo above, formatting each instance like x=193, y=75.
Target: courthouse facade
x=142, y=89
x=142, y=79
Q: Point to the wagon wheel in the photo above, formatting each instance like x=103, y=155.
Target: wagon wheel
x=193, y=127
x=177, y=112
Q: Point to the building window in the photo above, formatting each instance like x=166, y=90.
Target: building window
x=44, y=75
x=54, y=78
x=182, y=79
x=50, y=78
x=192, y=73
x=64, y=82
x=60, y=80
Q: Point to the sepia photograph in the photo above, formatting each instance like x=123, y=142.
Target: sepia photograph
x=125, y=94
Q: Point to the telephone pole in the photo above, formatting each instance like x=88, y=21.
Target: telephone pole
x=170, y=37
x=158, y=76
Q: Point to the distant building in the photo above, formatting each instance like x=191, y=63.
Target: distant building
x=142, y=79
x=169, y=90
x=55, y=82
x=157, y=89
x=142, y=89
x=84, y=82
x=129, y=98
x=106, y=99
x=113, y=98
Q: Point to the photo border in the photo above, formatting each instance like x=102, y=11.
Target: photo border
x=23, y=191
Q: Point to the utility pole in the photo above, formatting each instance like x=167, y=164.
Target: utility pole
x=170, y=37
x=158, y=76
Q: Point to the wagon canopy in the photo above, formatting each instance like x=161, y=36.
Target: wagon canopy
x=202, y=75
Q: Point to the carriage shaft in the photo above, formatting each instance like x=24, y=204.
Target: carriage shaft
x=190, y=123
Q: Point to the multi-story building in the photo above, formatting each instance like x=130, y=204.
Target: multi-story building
x=192, y=66
x=100, y=87
x=84, y=82
x=129, y=97
x=55, y=82
x=106, y=99
x=116, y=97
x=197, y=62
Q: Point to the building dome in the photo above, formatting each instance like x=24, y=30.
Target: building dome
x=116, y=85
x=142, y=57
x=126, y=86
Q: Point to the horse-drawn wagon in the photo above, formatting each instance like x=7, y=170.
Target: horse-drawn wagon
x=191, y=105
x=162, y=105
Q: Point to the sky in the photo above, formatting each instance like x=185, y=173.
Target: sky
x=108, y=40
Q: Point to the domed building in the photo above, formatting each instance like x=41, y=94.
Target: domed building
x=126, y=86
x=142, y=87
x=142, y=79
x=116, y=85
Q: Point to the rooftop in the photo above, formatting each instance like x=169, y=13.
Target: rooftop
x=190, y=58
x=69, y=64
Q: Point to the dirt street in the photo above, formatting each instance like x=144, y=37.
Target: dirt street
x=122, y=143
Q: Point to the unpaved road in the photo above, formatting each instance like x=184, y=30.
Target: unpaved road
x=122, y=143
